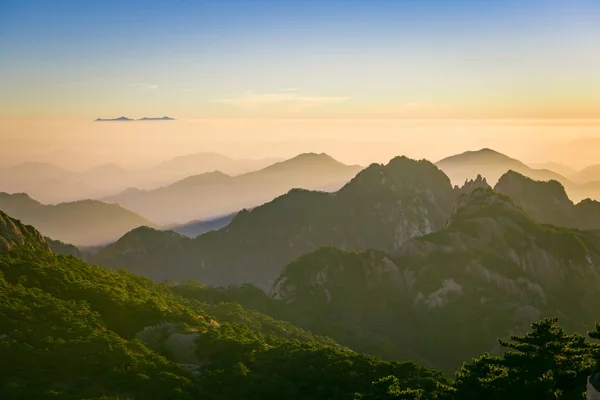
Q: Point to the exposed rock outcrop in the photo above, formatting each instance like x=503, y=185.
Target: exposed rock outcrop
x=13, y=233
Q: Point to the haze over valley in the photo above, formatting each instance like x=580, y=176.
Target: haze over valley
x=357, y=200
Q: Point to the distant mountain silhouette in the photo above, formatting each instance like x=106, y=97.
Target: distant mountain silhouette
x=562, y=169
x=156, y=119
x=139, y=119
x=113, y=119
x=51, y=184
x=196, y=228
x=82, y=223
x=587, y=175
x=208, y=195
x=492, y=165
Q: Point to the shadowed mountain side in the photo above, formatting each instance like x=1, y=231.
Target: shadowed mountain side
x=382, y=207
x=212, y=194
x=491, y=272
x=548, y=202
x=83, y=223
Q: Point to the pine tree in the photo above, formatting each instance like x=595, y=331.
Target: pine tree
x=547, y=363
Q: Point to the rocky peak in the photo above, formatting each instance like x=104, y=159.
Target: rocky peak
x=13, y=233
x=546, y=201
x=484, y=203
x=472, y=184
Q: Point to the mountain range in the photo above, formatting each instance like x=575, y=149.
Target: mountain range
x=492, y=165
x=51, y=184
x=212, y=194
x=439, y=275
x=381, y=207
x=82, y=223
x=491, y=271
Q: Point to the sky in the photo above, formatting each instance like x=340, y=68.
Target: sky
x=361, y=80
x=300, y=59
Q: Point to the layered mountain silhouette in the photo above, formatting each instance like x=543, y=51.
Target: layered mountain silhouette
x=51, y=184
x=382, y=207
x=492, y=165
x=82, y=223
x=208, y=195
x=196, y=228
x=490, y=272
x=587, y=175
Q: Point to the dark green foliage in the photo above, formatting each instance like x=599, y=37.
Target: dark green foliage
x=67, y=331
x=547, y=363
x=63, y=248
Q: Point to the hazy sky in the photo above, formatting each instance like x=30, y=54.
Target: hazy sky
x=335, y=59
x=361, y=80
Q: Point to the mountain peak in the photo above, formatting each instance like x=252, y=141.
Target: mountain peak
x=320, y=158
x=202, y=179
x=482, y=156
x=14, y=233
x=121, y=118
x=546, y=201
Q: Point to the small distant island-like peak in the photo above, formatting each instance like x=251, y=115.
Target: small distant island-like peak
x=156, y=119
x=114, y=119
x=131, y=119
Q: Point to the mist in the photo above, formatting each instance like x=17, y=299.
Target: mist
x=77, y=144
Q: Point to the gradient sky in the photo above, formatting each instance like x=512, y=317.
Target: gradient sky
x=317, y=59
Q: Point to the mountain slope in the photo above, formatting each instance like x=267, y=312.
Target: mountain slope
x=13, y=233
x=70, y=330
x=382, y=207
x=589, y=174
x=195, y=228
x=209, y=195
x=492, y=165
x=52, y=184
x=199, y=163
x=83, y=223
x=548, y=202
x=491, y=272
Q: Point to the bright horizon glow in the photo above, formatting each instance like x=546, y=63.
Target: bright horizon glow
x=503, y=59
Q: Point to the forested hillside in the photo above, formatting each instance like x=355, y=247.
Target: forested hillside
x=70, y=330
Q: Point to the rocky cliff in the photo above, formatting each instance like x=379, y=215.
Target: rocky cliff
x=13, y=233
x=446, y=296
